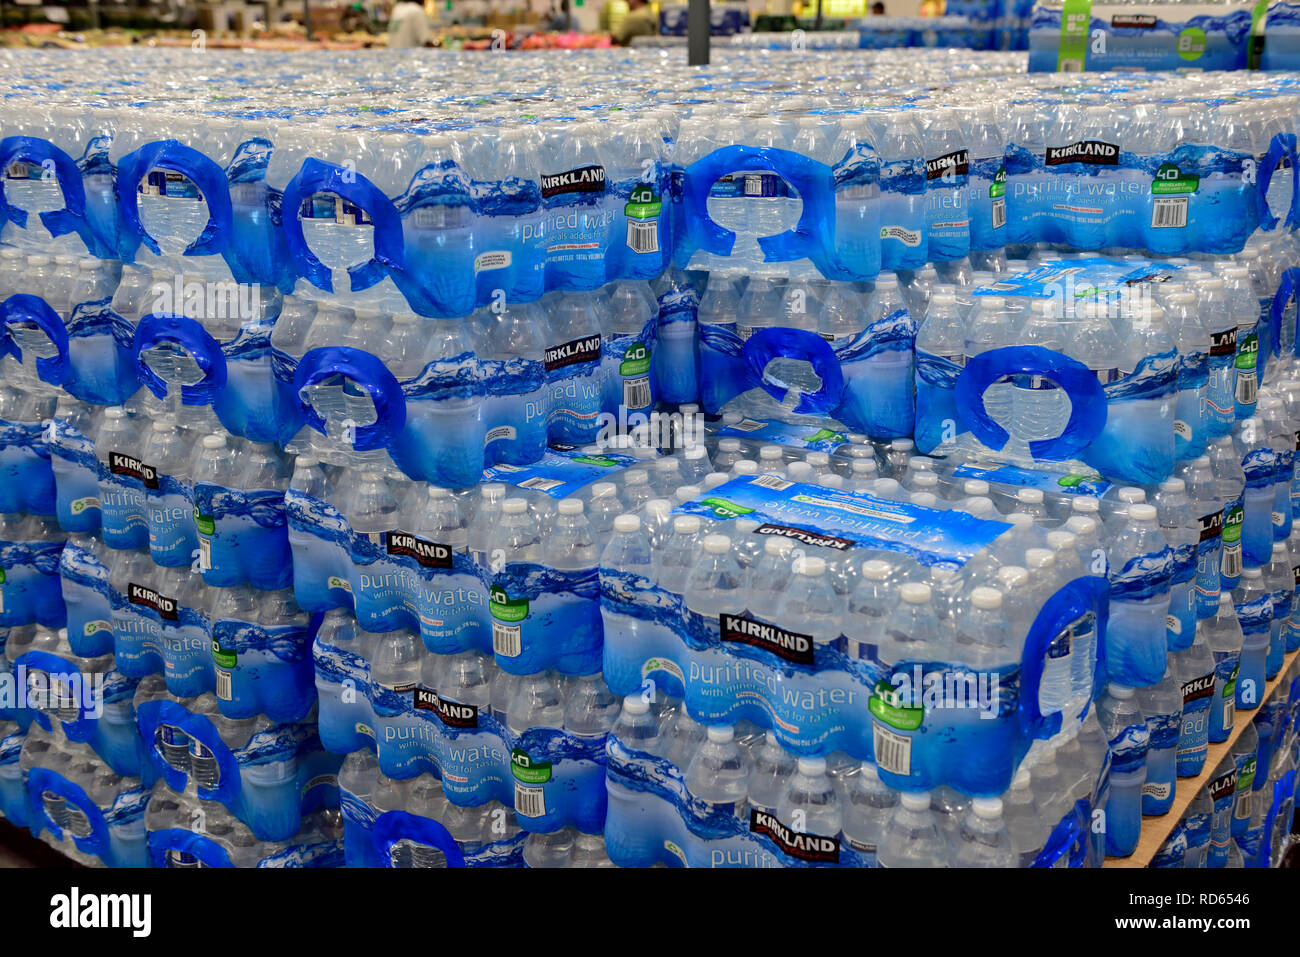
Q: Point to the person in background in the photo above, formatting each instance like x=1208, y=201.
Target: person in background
x=559, y=21
x=408, y=27
x=641, y=21
x=877, y=9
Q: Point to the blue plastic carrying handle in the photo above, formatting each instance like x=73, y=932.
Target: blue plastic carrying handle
x=204, y=849
x=366, y=371
x=72, y=217
x=79, y=729
x=201, y=170
x=40, y=780
x=1087, y=397
x=394, y=826
x=1068, y=604
x=151, y=715
x=193, y=338
x=317, y=176
x=768, y=344
x=25, y=308
x=1287, y=288
x=1282, y=146
x=810, y=238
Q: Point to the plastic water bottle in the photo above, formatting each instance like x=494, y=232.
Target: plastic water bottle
x=718, y=774
x=1230, y=481
x=809, y=605
x=1254, y=605
x=1194, y=667
x=1174, y=511
x=716, y=583
x=1245, y=756
x=1162, y=704
x=870, y=802
x=1196, y=826
x=1280, y=582
x=1141, y=571
x=1125, y=728
x=912, y=836
x=811, y=805
x=636, y=728
x=983, y=839
x=1224, y=635
x=1026, y=827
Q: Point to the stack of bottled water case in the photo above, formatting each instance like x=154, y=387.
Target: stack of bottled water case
x=679, y=470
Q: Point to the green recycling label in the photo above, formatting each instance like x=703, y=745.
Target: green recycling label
x=886, y=704
x=826, y=435
x=504, y=608
x=601, y=460
x=223, y=659
x=998, y=187
x=636, y=361
x=643, y=203
x=1230, y=686
x=205, y=523
x=1074, y=479
x=724, y=509
x=528, y=771
x=1246, y=776
x=81, y=504
x=2, y=576
x=1170, y=179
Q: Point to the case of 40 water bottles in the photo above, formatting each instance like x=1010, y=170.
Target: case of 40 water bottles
x=818, y=458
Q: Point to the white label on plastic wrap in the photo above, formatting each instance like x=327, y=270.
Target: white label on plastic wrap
x=662, y=664
x=908, y=237
x=493, y=259
x=1159, y=791
x=335, y=582
x=501, y=432
x=1173, y=625
x=1182, y=430
x=893, y=751
x=529, y=802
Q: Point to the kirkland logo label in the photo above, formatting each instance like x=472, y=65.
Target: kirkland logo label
x=1133, y=21
x=584, y=179
x=451, y=713
x=1224, y=343
x=122, y=464
x=1211, y=526
x=586, y=349
x=1198, y=689
x=805, y=847
x=1094, y=152
x=789, y=645
x=140, y=595
x=426, y=553
x=958, y=164
x=808, y=538
x=1223, y=786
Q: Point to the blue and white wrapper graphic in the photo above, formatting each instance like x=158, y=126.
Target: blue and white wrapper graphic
x=155, y=634
x=116, y=833
x=269, y=667
x=88, y=598
x=515, y=410
x=1136, y=638
x=26, y=478
x=77, y=474
x=14, y=801
x=653, y=819
x=242, y=537
x=817, y=698
x=280, y=775
x=674, y=364
x=29, y=584
x=552, y=778
x=306, y=849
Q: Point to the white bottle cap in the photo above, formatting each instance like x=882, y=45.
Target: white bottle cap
x=811, y=566
x=975, y=487
x=876, y=569
x=902, y=445
x=1279, y=548
x=436, y=491
x=514, y=506
x=812, y=767
x=1038, y=558
x=728, y=445
x=1174, y=485
x=865, y=467
x=307, y=462
x=213, y=441
x=770, y=452
x=800, y=471
x=1031, y=496
x=817, y=459
x=920, y=463
x=659, y=507
x=571, y=506
x=914, y=593
x=778, y=546
x=495, y=490
x=686, y=524
x=1083, y=504
x=687, y=492
x=627, y=523
x=886, y=486
x=1251, y=572
x=867, y=769
x=1022, y=780
x=987, y=808
x=1013, y=576
x=1021, y=519
x=636, y=477
x=1060, y=540
x=1123, y=692
x=1201, y=461
x=714, y=479
x=603, y=489
x=695, y=452
x=1142, y=512
x=1081, y=524
x=635, y=704
x=916, y=800
x=720, y=733
x=717, y=544
x=745, y=467
x=1225, y=597
x=1128, y=494
x=984, y=597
